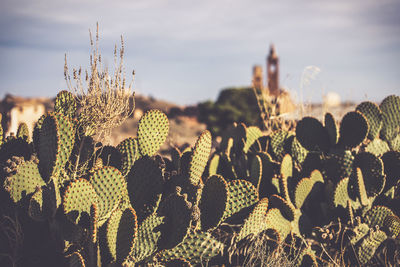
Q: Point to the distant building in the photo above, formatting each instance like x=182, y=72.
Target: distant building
x=273, y=72
x=15, y=110
x=272, y=87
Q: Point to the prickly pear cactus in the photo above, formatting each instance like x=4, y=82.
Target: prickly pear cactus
x=152, y=131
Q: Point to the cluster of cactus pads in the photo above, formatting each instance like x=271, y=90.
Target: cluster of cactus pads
x=330, y=191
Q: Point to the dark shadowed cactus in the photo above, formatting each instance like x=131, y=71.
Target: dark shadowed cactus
x=353, y=130
x=145, y=185
x=312, y=135
x=213, y=202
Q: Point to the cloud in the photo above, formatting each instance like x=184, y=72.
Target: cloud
x=187, y=50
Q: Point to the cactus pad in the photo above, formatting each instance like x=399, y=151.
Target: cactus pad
x=200, y=154
x=373, y=114
x=278, y=143
x=197, y=248
x=353, y=130
x=368, y=246
x=392, y=225
x=340, y=193
x=128, y=150
x=390, y=107
x=391, y=161
x=377, y=215
x=65, y=104
x=121, y=234
x=108, y=183
x=256, y=222
x=23, y=180
x=377, y=147
x=276, y=221
x=56, y=141
x=287, y=210
x=76, y=260
x=148, y=236
x=177, y=211
x=252, y=134
x=23, y=131
x=331, y=128
x=241, y=194
x=312, y=135
x=372, y=172
x=256, y=172
x=145, y=184
x=213, y=202
x=78, y=199
x=152, y=131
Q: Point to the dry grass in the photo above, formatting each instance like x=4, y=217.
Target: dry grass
x=104, y=98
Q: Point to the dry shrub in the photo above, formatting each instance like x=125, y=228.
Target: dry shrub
x=104, y=99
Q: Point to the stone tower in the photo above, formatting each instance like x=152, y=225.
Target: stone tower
x=258, y=81
x=273, y=72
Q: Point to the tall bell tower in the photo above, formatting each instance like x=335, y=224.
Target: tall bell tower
x=273, y=72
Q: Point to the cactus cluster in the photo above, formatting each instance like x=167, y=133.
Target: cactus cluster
x=323, y=183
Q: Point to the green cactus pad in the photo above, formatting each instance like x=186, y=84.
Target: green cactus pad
x=287, y=210
x=391, y=162
x=197, y=248
x=23, y=131
x=145, y=184
x=108, y=183
x=287, y=166
x=278, y=143
x=298, y=152
x=242, y=194
x=256, y=221
x=56, y=140
x=372, y=172
x=129, y=150
x=368, y=246
x=377, y=215
x=340, y=193
x=121, y=234
x=360, y=187
x=312, y=135
x=213, y=202
x=353, y=130
x=200, y=154
x=252, y=134
x=391, y=225
x=23, y=180
x=147, y=237
x=390, y=107
x=213, y=165
x=377, y=147
x=76, y=260
x=152, y=131
x=177, y=211
x=331, y=128
x=65, y=104
x=302, y=191
x=276, y=221
x=256, y=172
x=374, y=115
x=359, y=232
x=78, y=198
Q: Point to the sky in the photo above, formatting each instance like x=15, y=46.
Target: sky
x=187, y=51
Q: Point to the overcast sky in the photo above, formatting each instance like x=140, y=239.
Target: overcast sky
x=186, y=51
